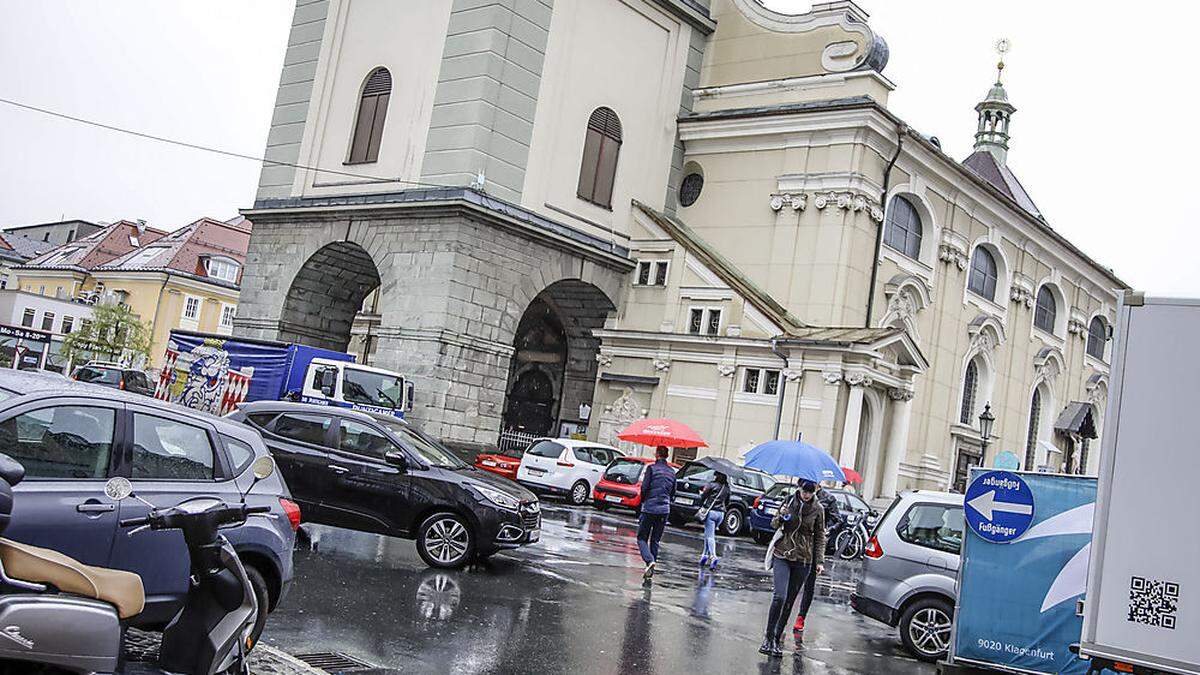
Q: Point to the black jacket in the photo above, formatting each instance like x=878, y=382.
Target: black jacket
x=830, y=504
x=715, y=496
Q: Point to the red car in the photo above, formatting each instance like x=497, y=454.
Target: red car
x=502, y=462
x=621, y=483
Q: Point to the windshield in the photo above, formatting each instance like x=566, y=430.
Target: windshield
x=428, y=449
x=366, y=387
x=697, y=473
x=98, y=375
x=627, y=472
x=779, y=491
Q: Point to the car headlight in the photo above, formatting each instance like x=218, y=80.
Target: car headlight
x=498, y=498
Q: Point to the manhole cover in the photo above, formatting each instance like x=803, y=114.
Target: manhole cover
x=334, y=662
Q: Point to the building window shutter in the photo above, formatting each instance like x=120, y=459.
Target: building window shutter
x=1031, y=439
x=601, y=149
x=970, y=384
x=372, y=112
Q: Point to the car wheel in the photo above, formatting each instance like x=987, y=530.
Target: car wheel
x=580, y=492
x=925, y=629
x=259, y=586
x=445, y=540
x=731, y=526
x=762, y=538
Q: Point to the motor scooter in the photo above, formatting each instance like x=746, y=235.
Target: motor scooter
x=61, y=616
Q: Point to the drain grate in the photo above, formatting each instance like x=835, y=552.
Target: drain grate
x=334, y=662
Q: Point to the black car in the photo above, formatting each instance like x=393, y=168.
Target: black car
x=377, y=473
x=114, y=376
x=692, y=478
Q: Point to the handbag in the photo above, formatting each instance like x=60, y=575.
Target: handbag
x=767, y=561
x=702, y=514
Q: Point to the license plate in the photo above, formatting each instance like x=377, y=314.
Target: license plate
x=488, y=462
x=534, y=535
x=537, y=472
x=612, y=498
x=686, y=501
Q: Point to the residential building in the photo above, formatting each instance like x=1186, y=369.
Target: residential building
x=571, y=214
x=15, y=250
x=50, y=318
x=56, y=233
x=65, y=271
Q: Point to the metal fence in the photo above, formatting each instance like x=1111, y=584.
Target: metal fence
x=511, y=439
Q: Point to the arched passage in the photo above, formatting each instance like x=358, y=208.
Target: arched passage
x=552, y=375
x=326, y=294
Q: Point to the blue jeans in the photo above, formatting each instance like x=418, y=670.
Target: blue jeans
x=710, y=533
x=789, y=578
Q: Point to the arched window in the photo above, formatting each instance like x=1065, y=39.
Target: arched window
x=1097, y=337
x=372, y=111
x=601, y=147
x=1035, y=420
x=1045, y=314
x=970, y=389
x=984, y=276
x=903, y=229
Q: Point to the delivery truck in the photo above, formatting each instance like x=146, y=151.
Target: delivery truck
x=215, y=373
x=1141, y=613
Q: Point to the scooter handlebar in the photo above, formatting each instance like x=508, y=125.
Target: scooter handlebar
x=257, y=509
x=134, y=522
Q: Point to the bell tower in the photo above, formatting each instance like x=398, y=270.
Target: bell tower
x=995, y=113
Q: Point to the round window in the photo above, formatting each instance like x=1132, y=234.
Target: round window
x=689, y=191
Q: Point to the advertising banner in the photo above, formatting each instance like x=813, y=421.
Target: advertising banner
x=1024, y=566
x=215, y=374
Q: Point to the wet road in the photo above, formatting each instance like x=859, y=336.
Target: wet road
x=573, y=603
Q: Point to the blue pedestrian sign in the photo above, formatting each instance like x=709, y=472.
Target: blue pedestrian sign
x=999, y=506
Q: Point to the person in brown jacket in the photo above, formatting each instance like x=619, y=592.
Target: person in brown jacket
x=797, y=553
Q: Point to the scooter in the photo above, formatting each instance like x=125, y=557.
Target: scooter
x=59, y=615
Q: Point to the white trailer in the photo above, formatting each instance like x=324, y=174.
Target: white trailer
x=1143, y=595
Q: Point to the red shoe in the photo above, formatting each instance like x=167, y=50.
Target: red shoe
x=799, y=627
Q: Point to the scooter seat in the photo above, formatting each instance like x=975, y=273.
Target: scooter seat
x=123, y=590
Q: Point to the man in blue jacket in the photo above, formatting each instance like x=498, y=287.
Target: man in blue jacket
x=658, y=489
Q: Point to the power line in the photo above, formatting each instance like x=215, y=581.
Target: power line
x=205, y=148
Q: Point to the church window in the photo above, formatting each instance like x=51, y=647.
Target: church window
x=983, y=274
x=601, y=147
x=1096, y=338
x=1045, y=314
x=372, y=111
x=903, y=231
x=970, y=388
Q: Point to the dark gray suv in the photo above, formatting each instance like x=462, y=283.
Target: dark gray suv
x=72, y=437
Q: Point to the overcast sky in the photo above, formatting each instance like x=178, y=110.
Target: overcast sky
x=1101, y=137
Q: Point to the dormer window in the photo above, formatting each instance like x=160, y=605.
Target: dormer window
x=223, y=269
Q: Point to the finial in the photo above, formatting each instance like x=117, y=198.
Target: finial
x=1002, y=47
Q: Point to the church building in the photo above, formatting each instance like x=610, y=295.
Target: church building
x=559, y=216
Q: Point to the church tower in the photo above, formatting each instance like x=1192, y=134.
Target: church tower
x=995, y=114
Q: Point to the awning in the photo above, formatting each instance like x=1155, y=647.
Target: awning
x=1076, y=419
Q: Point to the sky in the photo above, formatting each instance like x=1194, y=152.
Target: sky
x=1100, y=138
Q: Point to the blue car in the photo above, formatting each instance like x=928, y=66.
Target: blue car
x=71, y=437
x=765, y=507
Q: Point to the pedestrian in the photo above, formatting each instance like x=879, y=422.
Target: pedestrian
x=658, y=489
x=833, y=522
x=799, y=551
x=714, y=501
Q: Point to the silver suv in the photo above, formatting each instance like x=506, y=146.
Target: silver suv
x=910, y=570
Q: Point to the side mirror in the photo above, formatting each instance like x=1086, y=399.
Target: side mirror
x=263, y=468
x=118, y=488
x=328, y=381
x=397, y=459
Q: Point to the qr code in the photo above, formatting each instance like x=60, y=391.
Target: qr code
x=1153, y=602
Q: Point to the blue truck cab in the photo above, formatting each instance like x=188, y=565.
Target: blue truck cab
x=215, y=373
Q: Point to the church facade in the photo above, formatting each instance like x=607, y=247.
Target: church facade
x=559, y=216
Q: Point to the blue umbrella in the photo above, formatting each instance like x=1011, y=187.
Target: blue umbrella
x=795, y=458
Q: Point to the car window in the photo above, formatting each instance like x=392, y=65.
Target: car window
x=240, y=453
x=767, y=481
x=603, y=456
x=108, y=376
x=935, y=526
x=696, y=473
x=428, y=449
x=625, y=472
x=166, y=449
x=138, y=380
x=749, y=481
x=61, y=442
x=545, y=449
x=780, y=491
x=364, y=386
x=361, y=439
x=584, y=455
x=303, y=428
x=262, y=419
x=857, y=504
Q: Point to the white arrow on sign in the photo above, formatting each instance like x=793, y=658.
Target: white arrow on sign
x=986, y=504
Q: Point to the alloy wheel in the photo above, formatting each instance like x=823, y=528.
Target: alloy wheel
x=579, y=493
x=447, y=541
x=733, y=522
x=929, y=631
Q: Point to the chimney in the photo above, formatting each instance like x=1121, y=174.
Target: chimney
x=141, y=227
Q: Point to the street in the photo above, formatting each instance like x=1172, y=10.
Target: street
x=572, y=603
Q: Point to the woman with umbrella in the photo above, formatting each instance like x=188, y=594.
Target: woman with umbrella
x=798, y=548
x=714, y=501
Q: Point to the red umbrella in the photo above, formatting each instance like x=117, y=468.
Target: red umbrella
x=662, y=432
x=852, y=476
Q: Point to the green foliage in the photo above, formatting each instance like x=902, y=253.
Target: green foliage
x=114, y=333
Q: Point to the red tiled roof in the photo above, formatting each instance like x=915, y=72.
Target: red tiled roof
x=185, y=250
x=97, y=248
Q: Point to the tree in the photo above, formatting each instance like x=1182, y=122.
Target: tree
x=114, y=333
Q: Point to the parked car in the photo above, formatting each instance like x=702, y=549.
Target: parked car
x=565, y=466
x=910, y=569
x=764, y=508
x=72, y=437
x=375, y=472
x=115, y=376
x=621, y=483
x=501, y=462
x=743, y=491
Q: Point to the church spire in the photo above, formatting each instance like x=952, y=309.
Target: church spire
x=995, y=114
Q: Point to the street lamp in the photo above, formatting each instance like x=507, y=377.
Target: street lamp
x=986, y=420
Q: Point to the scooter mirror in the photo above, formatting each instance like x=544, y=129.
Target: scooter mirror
x=263, y=467
x=118, y=488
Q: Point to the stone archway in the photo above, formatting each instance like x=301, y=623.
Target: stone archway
x=326, y=294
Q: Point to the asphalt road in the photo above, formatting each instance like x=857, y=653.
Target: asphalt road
x=573, y=603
